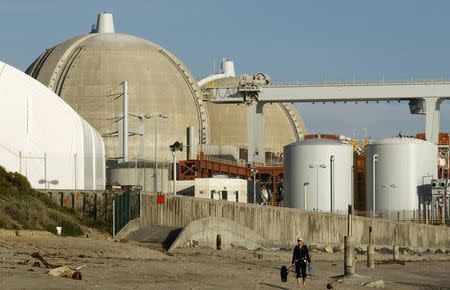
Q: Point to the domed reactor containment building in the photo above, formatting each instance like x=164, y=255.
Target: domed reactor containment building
x=87, y=71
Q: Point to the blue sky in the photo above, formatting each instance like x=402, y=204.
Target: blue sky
x=313, y=41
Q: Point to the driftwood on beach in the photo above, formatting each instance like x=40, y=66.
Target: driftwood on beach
x=56, y=270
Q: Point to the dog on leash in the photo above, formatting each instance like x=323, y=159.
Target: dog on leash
x=284, y=273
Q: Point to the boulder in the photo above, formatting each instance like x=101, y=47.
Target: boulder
x=328, y=249
x=384, y=250
x=360, y=251
x=374, y=284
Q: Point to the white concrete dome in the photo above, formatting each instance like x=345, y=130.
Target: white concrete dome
x=87, y=72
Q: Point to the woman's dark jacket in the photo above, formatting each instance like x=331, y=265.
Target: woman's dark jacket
x=301, y=254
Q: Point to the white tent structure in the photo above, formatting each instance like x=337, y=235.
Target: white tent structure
x=44, y=139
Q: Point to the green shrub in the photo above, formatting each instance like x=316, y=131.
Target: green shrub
x=21, y=207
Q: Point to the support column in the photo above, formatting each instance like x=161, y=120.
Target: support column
x=259, y=128
x=251, y=116
x=395, y=248
x=349, y=245
x=370, y=251
x=432, y=119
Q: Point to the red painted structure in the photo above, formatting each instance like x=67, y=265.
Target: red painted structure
x=270, y=177
x=444, y=139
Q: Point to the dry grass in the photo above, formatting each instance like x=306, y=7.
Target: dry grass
x=21, y=207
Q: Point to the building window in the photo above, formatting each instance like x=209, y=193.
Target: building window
x=237, y=196
x=225, y=195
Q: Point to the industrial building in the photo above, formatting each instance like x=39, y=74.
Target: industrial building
x=221, y=188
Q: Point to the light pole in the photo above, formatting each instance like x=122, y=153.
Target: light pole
x=48, y=182
x=331, y=182
x=317, y=166
x=254, y=172
x=389, y=186
x=156, y=116
x=305, y=186
x=374, y=159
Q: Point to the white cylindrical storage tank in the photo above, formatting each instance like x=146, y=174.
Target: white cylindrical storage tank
x=318, y=175
x=401, y=165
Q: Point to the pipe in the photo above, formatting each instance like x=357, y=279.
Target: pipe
x=374, y=159
x=174, y=185
x=192, y=150
x=45, y=171
x=331, y=182
x=76, y=170
x=305, y=186
x=446, y=182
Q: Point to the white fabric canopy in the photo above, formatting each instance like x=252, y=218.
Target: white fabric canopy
x=44, y=139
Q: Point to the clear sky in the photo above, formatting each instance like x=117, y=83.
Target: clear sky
x=312, y=41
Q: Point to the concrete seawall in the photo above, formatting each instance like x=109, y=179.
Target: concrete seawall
x=280, y=226
x=94, y=204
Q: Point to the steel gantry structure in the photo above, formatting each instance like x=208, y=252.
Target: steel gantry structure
x=256, y=90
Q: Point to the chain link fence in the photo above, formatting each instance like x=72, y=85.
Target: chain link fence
x=127, y=207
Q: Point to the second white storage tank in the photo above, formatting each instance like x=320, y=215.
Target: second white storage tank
x=318, y=175
x=401, y=165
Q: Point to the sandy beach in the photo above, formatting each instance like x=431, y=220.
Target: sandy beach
x=113, y=264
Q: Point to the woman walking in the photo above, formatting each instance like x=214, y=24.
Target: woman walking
x=299, y=258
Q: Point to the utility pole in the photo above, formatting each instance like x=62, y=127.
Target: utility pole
x=125, y=122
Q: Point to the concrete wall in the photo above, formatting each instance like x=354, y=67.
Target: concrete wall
x=96, y=205
x=130, y=227
x=280, y=226
x=205, y=231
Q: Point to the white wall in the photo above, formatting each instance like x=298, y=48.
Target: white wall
x=229, y=189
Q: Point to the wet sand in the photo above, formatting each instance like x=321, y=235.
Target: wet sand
x=117, y=265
